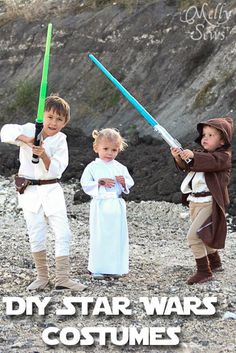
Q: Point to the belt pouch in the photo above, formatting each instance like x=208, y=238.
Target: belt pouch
x=21, y=184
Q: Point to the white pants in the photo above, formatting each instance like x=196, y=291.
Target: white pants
x=37, y=229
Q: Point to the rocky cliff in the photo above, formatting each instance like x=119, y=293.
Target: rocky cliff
x=176, y=57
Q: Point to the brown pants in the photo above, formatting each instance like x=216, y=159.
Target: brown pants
x=199, y=212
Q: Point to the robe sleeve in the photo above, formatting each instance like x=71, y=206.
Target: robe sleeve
x=211, y=161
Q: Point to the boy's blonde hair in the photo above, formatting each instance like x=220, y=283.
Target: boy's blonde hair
x=110, y=134
x=58, y=105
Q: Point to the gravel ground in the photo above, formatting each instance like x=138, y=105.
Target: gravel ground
x=160, y=263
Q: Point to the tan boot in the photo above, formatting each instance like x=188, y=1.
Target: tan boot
x=62, y=275
x=215, y=262
x=42, y=271
x=203, y=273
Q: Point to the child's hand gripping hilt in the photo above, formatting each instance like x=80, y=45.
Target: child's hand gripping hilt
x=172, y=142
x=37, y=140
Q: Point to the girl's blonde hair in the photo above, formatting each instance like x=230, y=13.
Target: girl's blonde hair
x=110, y=134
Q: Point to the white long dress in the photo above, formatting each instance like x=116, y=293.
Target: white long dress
x=109, y=243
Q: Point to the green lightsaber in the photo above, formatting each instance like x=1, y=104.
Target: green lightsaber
x=42, y=93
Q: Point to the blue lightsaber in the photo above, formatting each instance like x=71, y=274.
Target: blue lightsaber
x=172, y=142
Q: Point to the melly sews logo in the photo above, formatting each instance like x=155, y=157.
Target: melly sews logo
x=207, y=22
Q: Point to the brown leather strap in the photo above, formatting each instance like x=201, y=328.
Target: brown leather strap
x=201, y=194
x=43, y=182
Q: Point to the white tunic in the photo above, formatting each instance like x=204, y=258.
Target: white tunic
x=109, y=244
x=49, y=196
x=198, y=185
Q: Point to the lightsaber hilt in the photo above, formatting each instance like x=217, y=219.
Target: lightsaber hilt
x=172, y=142
x=37, y=140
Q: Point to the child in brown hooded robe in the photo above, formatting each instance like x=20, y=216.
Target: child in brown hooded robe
x=206, y=187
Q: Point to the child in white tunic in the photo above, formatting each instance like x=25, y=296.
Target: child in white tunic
x=104, y=180
x=44, y=195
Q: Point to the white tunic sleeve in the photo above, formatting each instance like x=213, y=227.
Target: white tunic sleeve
x=10, y=132
x=59, y=159
x=55, y=146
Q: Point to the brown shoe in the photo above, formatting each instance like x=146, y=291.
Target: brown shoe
x=215, y=262
x=203, y=273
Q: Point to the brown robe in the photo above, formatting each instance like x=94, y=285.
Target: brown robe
x=216, y=166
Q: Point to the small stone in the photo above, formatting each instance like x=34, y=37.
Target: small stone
x=229, y=315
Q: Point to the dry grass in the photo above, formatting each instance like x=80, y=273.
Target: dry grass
x=185, y=4
x=201, y=99
x=27, y=9
x=34, y=9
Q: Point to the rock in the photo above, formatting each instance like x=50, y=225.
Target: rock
x=229, y=315
x=80, y=197
x=184, y=215
x=160, y=263
x=164, y=78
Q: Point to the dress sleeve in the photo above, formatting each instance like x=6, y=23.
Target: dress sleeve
x=89, y=185
x=129, y=182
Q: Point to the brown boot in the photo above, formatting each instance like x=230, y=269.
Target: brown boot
x=203, y=273
x=62, y=275
x=42, y=271
x=215, y=262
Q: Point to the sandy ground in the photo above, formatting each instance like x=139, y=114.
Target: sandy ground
x=160, y=263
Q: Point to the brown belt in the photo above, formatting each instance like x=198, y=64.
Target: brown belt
x=21, y=183
x=42, y=182
x=201, y=194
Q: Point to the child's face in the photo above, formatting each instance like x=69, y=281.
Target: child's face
x=53, y=123
x=211, y=138
x=107, y=150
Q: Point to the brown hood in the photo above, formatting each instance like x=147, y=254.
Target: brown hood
x=225, y=125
